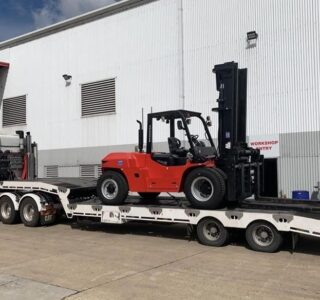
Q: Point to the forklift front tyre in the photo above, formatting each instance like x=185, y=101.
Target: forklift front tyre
x=211, y=232
x=205, y=188
x=223, y=174
x=112, y=188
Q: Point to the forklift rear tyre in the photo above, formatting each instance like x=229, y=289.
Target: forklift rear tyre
x=149, y=195
x=112, y=188
x=211, y=232
x=8, y=215
x=29, y=213
x=205, y=188
x=264, y=237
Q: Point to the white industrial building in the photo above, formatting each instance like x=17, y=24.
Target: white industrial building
x=159, y=55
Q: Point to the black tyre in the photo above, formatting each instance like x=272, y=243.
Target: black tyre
x=150, y=196
x=222, y=173
x=112, y=188
x=8, y=215
x=211, y=232
x=29, y=212
x=264, y=237
x=205, y=188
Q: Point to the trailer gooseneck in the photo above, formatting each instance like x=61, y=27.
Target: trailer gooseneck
x=217, y=182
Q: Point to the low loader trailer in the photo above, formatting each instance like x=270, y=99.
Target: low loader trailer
x=222, y=186
x=265, y=222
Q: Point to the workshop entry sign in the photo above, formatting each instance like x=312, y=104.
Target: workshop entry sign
x=268, y=144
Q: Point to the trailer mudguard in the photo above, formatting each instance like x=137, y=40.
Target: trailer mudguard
x=35, y=197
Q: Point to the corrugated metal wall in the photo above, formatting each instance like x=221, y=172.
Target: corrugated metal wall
x=283, y=83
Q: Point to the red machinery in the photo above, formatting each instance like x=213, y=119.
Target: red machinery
x=192, y=171
x=208, y=177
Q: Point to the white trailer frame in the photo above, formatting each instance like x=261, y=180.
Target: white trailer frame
x=283, y=221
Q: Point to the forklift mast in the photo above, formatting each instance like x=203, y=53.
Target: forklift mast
x=232, y=87
x=242, y=165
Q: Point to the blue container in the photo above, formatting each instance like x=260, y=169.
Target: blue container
x=300, y=195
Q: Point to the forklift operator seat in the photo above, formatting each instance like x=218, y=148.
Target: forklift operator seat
x=176, y=157
x=175, y=147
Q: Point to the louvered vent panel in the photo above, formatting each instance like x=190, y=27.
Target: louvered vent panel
x=14, y=111
x=98, y=97
x=51, y=171
x=87, y=171
x=99, y=170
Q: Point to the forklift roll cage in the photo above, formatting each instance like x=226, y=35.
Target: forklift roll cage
x=170, y=117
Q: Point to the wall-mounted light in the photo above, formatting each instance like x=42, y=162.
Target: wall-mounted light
x=252, y=37
x=67, y=78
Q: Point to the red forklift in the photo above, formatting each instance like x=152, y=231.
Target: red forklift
x=210, y=177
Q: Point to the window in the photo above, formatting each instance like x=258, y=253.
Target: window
x=98, y=98
x=14, y=111
x=51, y=171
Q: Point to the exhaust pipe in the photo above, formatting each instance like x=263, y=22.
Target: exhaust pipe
x=140, y=137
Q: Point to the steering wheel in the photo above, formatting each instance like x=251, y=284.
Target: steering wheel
x=197, y=143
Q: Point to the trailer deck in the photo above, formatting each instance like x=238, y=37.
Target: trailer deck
x=77, y=186
x=282, y=216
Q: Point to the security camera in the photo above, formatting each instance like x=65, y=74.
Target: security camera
x=66, y=77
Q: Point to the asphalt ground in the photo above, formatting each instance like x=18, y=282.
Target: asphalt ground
x=148, y=261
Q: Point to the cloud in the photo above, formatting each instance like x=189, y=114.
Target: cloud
x=57, y=10
x=47, y=15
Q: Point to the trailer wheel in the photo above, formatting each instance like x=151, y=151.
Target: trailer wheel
x=211, y=232
x=8, y=214
x=112, y=188
x=150, y=196
x=29, y=213
x=205, y=188
x=264, y=237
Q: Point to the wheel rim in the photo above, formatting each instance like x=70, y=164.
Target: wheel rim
x=211, y=231
x=109, y=189
x=263, y=235
x=28, y=212
x=6, y=210
x=202, y=189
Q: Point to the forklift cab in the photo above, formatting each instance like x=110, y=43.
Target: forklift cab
x=194, y=150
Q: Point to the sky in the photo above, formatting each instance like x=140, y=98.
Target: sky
x=21, y=16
